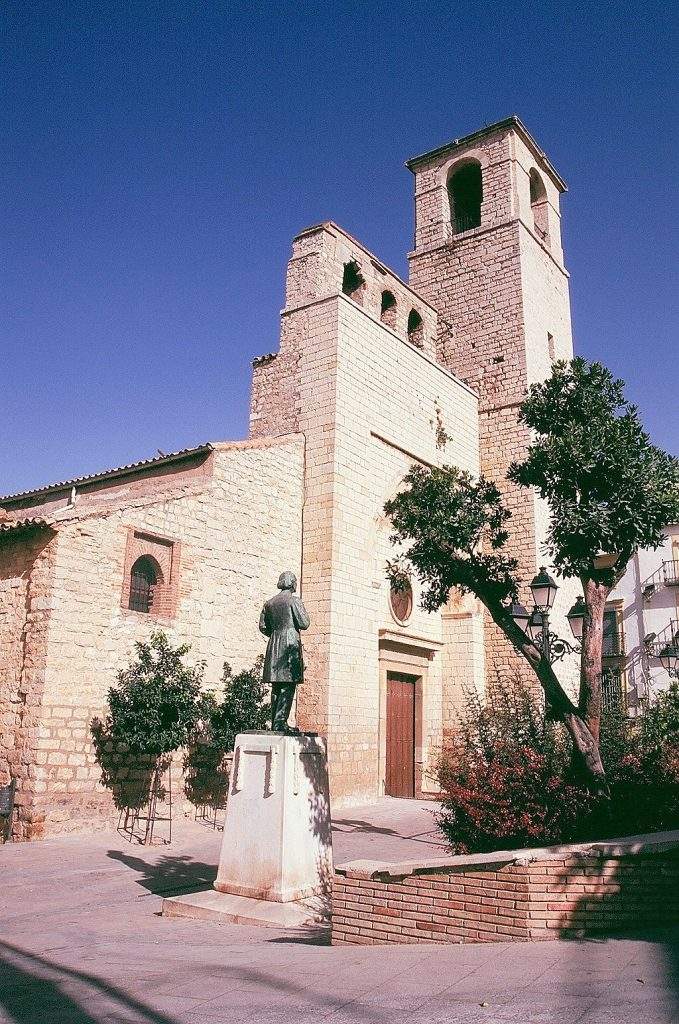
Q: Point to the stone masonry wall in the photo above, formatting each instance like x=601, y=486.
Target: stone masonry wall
x=315, y=272
x=26, y=563
x=390, y=401
x=236, y=534
x=369, y=403
x=510, y=897
x=501, y=293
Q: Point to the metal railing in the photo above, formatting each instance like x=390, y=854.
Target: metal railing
x=465, y=220
x=613, y=644
x=613, y=692
x=655, y=642
x=671, y=573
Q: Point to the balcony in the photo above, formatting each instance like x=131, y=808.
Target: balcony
x=613, y=691
x=655, y=642
x=670, y=571
x=613, y=644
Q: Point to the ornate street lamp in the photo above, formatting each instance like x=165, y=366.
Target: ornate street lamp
x=520, y=615
x=669, y=659
x=544, y=589
x=576, y=618
x=535, y=624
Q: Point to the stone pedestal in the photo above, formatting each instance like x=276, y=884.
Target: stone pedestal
x=277, y=842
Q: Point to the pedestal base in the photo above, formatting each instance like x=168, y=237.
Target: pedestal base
x=277, y=842
x=224, y=908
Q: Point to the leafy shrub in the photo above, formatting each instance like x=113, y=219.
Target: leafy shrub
x=152, y=711
x=508, y=780
x=505, y=776
x=242, y=708
x=642, y=760
x=155, y=704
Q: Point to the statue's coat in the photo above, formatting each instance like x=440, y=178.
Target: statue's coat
x=282, y=618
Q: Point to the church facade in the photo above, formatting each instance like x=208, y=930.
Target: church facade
x=372, y=375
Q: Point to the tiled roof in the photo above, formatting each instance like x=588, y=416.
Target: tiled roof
x=7, y=525
x=159, y=460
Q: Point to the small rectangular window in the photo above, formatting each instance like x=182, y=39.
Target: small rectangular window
x=612, y=639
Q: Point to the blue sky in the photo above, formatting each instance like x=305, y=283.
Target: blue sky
x=158, y=157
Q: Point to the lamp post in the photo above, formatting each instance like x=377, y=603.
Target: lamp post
x=535, y=624
x=669, y=659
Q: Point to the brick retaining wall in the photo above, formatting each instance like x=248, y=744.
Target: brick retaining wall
x=521, y=895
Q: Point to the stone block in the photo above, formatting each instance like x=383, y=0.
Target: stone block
x=277, y=842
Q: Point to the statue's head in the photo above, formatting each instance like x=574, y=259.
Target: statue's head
x=287, y=581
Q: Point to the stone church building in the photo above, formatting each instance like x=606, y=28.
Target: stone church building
x=371, y=375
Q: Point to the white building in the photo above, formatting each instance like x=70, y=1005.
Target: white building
x=642, y=615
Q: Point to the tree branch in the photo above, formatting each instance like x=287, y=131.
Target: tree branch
x=558, y=700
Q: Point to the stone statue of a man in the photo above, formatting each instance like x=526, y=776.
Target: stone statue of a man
x=282, y=618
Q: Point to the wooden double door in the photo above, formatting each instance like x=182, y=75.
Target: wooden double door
x=400, y=735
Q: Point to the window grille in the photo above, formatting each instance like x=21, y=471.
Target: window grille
x=143, y=579
x=612, y=691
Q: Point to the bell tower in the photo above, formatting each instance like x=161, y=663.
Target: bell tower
x=488, y=257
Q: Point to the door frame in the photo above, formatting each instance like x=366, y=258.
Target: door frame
x=411, y=659
x=415, y=681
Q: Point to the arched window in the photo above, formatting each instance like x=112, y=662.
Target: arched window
x=538, y=202
x=415, y=328
x=388, y=309
x=145, y=575
x=465, y=191
x=352, y=280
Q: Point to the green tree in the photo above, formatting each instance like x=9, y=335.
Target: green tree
x=608, y=490
x=155, y=704
x=152, y=711
x=243, y=707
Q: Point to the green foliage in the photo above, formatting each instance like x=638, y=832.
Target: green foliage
x=508, y=779
x=660, y=727
x=453, y=529
x=155, y=705
x=506, y=776
x=127, y=775
x=243, y=707
x=608, y=487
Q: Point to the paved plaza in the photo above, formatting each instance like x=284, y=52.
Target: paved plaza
x=82, y=942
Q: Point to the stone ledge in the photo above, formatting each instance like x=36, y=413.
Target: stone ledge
x=227, y=908
x=626, y=846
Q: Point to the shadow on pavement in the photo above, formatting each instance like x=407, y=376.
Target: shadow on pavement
x=308, y=937
x=34, y=990
x=627, y=904
x=356, y=825
x=168, y=875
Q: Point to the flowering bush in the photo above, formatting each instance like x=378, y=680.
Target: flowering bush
x=508, y=781
x=505, y=776
x=513, y=799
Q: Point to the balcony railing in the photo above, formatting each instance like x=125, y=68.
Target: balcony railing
x=613, y=645
x=465, y=220
x=655, y=642
x=613, y=693
x=670, y=572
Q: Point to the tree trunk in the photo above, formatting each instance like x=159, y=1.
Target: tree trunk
x=585, y=744
x=589, y=703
